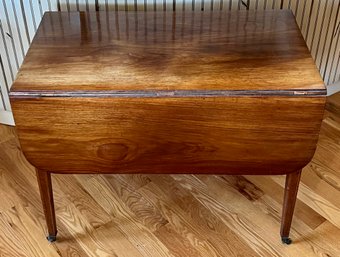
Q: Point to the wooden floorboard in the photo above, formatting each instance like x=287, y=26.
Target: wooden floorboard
x=172, y=215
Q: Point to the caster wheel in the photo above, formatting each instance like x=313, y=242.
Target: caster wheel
x=286, y=240
x=51, y=238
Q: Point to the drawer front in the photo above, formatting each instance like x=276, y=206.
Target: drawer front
x=219, y=135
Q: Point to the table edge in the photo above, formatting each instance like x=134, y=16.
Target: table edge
x=169, y=93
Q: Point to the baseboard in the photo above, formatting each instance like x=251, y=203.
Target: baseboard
x=334, y=88
x=6, y=117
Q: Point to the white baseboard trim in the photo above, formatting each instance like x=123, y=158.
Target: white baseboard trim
x=334, y=88
x=6, y=117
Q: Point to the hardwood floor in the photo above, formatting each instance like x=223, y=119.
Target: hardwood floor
x=172, y=215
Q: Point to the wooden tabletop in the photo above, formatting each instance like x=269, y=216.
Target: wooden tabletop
x=168, y=53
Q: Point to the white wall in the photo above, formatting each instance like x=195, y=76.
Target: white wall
x=319, y=21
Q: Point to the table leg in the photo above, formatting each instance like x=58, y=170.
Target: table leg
x=46, y=194
x=291, y=189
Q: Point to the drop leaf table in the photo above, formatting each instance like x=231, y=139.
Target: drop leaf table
x=168, y=92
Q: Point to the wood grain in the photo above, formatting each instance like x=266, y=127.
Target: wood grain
x=188, y=105
x=132, y=51
x=191, y=219
x=202, y=221
x=46, y=194
x=263, y=135
x=291, y=190
x=268, y=187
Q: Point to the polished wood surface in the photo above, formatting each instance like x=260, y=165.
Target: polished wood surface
x=81, y=104
x=172, y=215
x=240, y=98
x=232, y=135
x=46, y=194
x=157, y=51
x=289, y=200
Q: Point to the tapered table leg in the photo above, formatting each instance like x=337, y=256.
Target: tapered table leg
x=291, y=189
x=46, y=194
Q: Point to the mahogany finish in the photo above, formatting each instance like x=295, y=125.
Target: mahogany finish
x=46, y=194
x=291, y=190
x=128, y=51
x=225, y=135
x=186, y=92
